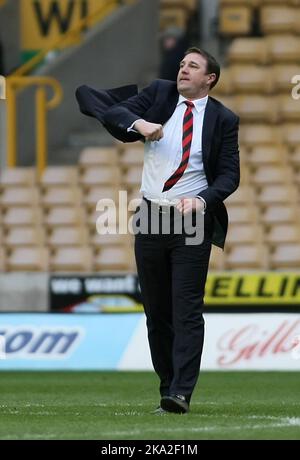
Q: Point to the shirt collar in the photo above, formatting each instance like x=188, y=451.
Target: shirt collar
x=198, y=103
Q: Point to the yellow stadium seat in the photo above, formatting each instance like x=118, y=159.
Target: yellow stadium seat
x=173, y=16
x=98, y=156
x=283, y=48
x=248, y=50
x=280, y=214
x=132, y=179
x=277, y=194
x=235, y=20
x=95, y=176
x=55, y=176
x=282, y=75
x=271, y=175
x=289, y=108
x=261, y=154
x=256, y=108
x=114, y=259
x=291, y=134
x=244, y=234
x=251, y=135
x=71, y=259
x=286, y=257
x=295, y=158
x=61, y=196
x=18, y=177
x=189, y=4
x=283, y=233
x=132, y=157
x=112, y=240
x=16, y=216
x=28, y=259
x=239, y=2
x=61, y=216
x=2, y=259
x=25, y=236
x=277, y=19
x=247, y=257
x=68, y=236
x=19, y=196
x=252, y=79
x=94, y=194
x=242, y=214
x=242, y=196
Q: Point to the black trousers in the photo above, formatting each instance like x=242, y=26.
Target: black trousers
x=172, y=277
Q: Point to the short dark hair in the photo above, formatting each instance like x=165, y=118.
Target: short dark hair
x=212, y=66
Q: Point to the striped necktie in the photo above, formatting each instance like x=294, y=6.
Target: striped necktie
x=187, y=136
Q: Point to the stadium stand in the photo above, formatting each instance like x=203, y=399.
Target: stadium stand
x=50, y=223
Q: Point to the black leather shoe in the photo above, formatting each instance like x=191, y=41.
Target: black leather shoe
x=175, y=403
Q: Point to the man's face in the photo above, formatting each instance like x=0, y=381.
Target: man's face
x=192, y=79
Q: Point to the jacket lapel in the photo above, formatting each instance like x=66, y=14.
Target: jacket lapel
x=209, y=121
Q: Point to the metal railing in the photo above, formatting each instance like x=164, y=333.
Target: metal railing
x=42, y=106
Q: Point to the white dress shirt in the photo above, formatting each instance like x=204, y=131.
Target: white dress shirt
x=163, y=157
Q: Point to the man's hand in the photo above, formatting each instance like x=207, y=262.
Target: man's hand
x=187, y=205
x=151, y=131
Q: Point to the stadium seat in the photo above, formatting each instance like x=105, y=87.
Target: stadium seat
x=98, y=156
x=264, y=175
x=248, y=50
x=247, y=257
x=61, y=196
x=95, y=176
x=19, y=196
x=133, y=177
x=189, y=4
x=289, y=108
x=25, y=236
x=16, y=216
x=132, y=157
x=235, y=20
x=18, y=177
x=283, y=233
x=280, y=214
x=94, y=194
x=28, y=259
x=261, y=154
x=2, y=259
x=286, y=257
x=254, y=108
x=283, y=48
x=244, y=234
x=114, y=259
x=61, y=216
x=242, y=214
x=291, y=135
x=239, y=2
x=68, y=236
x=110, y=240
x=173, y=16
x=71, y=259
x=295, y=158
x=282, y=75
x=251, y=135
x=242, y=196
x=55, y=176
x=277, y=19
x=251, y=79
x=277, y=195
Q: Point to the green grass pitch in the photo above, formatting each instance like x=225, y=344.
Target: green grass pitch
x=118, y=405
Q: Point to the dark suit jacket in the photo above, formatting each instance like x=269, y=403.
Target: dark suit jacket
x=117, y=109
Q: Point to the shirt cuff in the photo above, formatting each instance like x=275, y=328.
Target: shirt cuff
x=204, y=202
x=131, y=129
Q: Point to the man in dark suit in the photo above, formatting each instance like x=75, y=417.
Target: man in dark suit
x=191, y=166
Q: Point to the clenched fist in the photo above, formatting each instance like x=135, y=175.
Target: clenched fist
x=151, y=131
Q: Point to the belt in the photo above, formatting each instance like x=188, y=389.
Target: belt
x=163, y=206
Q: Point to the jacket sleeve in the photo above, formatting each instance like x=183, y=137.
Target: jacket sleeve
x=227, y=173
x=123, y=115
